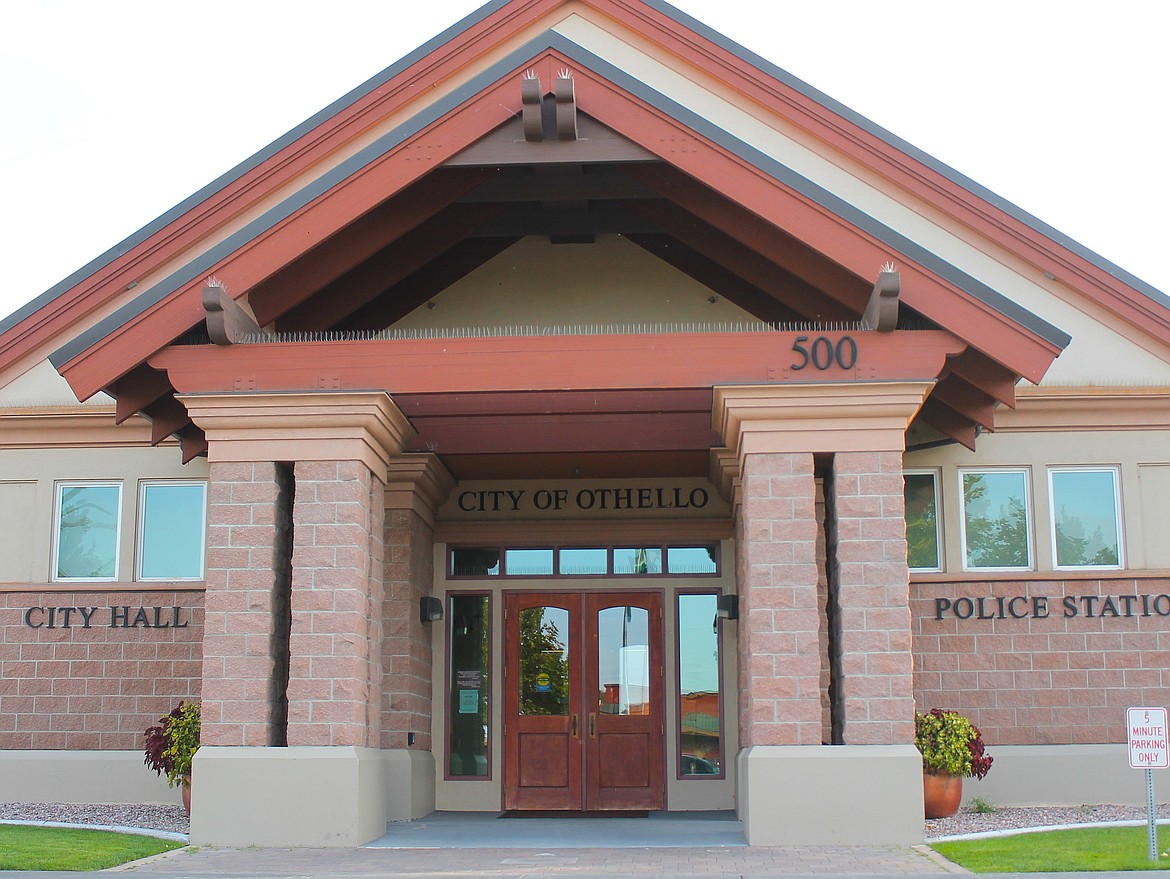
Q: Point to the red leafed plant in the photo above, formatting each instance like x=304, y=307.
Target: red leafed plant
x=170, y=745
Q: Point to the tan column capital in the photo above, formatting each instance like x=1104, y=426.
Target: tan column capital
x=419, y=482
x=839, y=417
x=364, y=426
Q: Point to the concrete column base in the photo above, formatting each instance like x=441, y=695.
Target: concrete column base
x=831, y=794
x=304, y=796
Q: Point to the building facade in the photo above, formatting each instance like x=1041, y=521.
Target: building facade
x=584, y=414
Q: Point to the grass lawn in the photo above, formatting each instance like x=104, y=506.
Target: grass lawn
x=1058, y=851
x=57, y=848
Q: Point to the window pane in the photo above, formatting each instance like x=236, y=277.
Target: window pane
x=544, y=661
x=690, y=559
x=637, y=561
x=995, y=520
x=623, y=660
x=470, y=686
x=475, y=562
x=583, y=561
x=173, y=518
x=528, y=562
x=921, y=521
x=698, y=683
x=1084, y=510
x=87, y=532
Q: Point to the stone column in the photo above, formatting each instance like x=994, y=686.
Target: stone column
x=794, y=787
x=416, y=486
x=247, y=535
x=875, y=692
x=335, y=671
x=779, y=649
x=338, y=444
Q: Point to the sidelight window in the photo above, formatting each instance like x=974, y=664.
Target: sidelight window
x=700, y=737
x=470, y=663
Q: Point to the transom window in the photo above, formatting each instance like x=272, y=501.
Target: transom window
x=584, y=561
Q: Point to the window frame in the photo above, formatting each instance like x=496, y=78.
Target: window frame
x=140, y=531
x=1029, y=528
x=940, y=548
x=1117, y=520
x=54, y=562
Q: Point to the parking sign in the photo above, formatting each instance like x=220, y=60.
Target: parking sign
x=1146, y=729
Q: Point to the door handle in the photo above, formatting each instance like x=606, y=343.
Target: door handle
x=574, y=726
x=592, y=725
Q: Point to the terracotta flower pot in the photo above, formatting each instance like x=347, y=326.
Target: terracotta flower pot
x=942, y=794
x=185, y=787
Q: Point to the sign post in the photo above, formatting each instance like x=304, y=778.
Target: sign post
x=1148, y=750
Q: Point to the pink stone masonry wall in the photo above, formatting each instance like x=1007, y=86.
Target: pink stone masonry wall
x=96, y=688
x=1049, y=677
x=408, y=654
x=780, y=626
x=873, y=617
x=238, y=662
x=335, y=669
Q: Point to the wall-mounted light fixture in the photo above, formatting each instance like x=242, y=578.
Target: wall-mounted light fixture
x=430, y=609
x=727, y=607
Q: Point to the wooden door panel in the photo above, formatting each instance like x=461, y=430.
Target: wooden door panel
x=624, y=687
x=542, y=743
x=544, y=760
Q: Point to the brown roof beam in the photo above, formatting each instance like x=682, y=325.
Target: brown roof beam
x=747, y=263
x=136, y=390
x=167, y=417
x=429, y=281
x=389, y=266
x=947, y=421
x=717, y=278
x=362, y=239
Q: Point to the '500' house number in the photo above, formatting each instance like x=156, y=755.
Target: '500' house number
x=823, y=354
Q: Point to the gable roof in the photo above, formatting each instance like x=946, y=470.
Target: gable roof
x=738, y=185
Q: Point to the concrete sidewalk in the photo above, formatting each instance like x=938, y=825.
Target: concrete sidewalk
x=581, y=863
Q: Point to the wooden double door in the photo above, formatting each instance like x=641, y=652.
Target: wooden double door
x=583, y=724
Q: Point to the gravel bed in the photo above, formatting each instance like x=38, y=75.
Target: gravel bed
x=1015, y=818
x=147, y=816
x=174, y=820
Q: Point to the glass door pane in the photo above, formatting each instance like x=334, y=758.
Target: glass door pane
x=544, y=661
x=623, y=660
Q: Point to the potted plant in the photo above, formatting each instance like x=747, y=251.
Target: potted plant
x=171, y=744
x=952, y=749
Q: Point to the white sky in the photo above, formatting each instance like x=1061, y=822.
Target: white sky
x=115, y=111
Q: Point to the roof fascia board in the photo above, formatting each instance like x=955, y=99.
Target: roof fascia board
x=941, y=168
x=251, y=163
x=551, y=40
